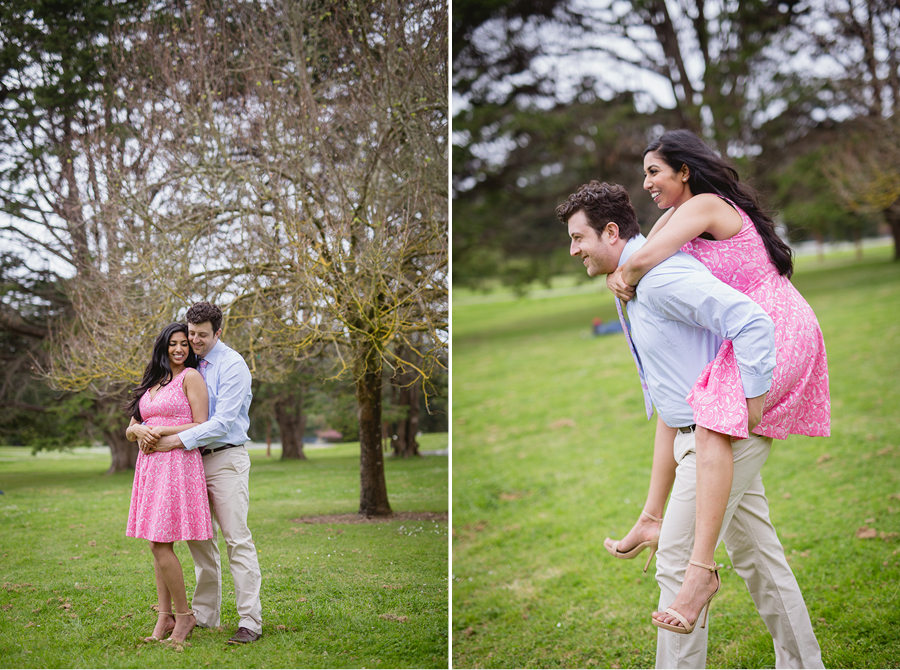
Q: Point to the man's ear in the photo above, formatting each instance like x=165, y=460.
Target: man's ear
x=612, y=231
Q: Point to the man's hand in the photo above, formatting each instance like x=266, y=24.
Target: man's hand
x=755, y=408
x=167, y=443
x=618, y=286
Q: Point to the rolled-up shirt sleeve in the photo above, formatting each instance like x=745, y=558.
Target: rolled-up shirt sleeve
x=703, y=300
x=232, y=390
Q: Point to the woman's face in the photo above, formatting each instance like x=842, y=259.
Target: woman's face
x=667, y=187
x=179, y=350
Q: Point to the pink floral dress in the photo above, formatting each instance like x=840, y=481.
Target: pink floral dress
x=168, y=498
x=798, y=401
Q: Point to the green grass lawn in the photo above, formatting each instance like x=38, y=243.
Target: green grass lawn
x=552, y=453
x=75, y=592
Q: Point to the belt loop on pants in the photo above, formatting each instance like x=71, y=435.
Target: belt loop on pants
x=206, y=452
x=687, y=429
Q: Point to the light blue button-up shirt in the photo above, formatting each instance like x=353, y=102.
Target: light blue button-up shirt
x=228, y=382
x=679, y=317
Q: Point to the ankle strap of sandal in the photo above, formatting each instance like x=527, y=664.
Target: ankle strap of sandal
x=711, y=568
x=647, y=514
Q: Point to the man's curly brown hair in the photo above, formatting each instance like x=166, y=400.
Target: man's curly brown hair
x=201, y=312
x=602, y=203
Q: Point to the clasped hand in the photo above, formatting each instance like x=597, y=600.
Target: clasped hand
x=146, y=436
x=165, y=443
x=617, y=285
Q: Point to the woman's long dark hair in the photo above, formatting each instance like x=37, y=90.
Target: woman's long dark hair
x=158, y=370
x=710, y=173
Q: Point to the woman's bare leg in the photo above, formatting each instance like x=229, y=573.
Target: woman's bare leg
x=715, y=472
x=169, y=568
x=165, y=621
x=662, y=476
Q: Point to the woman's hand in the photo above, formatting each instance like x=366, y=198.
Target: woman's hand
x=617, y=285
x=144, y=434
x=755, y=408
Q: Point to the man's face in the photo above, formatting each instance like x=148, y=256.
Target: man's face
x=202, y=337
x=594, y=249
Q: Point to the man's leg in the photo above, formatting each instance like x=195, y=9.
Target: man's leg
x=230, y=495
x=675, y=650
x=207, y=600
x=758, y=558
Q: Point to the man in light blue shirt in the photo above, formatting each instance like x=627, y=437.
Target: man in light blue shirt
x=679, y=317
x=226, y=465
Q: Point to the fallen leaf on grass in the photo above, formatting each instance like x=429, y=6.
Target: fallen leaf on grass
x=866, y=533
x=394, y=617
x=823, y=458
x=29, y=624
x=508, y=497
x=6, y=607
x=301, y=600
x=562, y=423
x=888, y=536
x=92, y=543
x=74, y=558
x=787, y=496
x=280, y=627
x=894, y=495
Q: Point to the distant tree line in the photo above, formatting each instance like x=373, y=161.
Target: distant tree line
x=802, y=95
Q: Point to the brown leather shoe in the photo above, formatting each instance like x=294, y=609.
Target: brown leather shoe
x=243, y=636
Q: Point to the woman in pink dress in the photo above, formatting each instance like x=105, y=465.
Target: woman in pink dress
x=718, y=220
x=168, y=498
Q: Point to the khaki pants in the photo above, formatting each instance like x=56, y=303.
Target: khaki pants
x=755, y=553
x=228, y=484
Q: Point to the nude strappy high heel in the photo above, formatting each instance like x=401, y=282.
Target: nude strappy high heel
x=631, y=553
x=153, y=638
x=686, y=626
x=178, y=614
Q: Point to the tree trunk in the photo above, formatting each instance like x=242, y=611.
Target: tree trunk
x=291, y=424
x=405, y=393
x=404, y=438
x=892, y=215
x=124, y=453
x=373, y=498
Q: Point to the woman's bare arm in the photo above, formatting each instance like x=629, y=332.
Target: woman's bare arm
x=660, y=222
x=198, y=397
x=704, y=213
